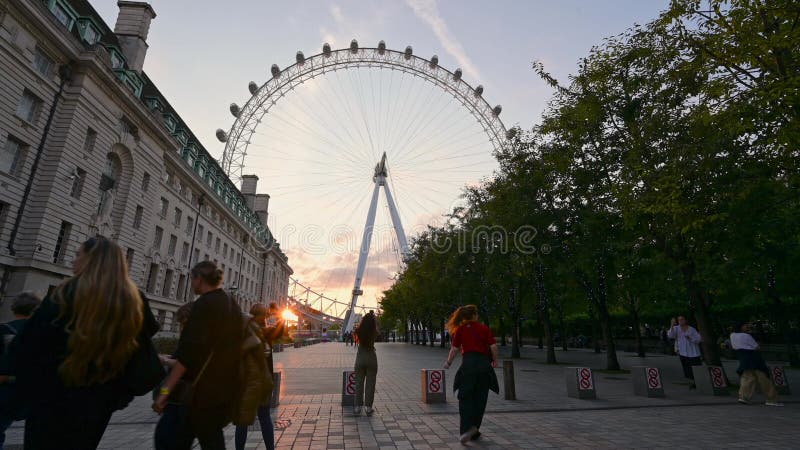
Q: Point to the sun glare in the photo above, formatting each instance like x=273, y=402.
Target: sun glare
x=288, y=315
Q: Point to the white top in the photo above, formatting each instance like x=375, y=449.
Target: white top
x=686, y=342
x=743, y=341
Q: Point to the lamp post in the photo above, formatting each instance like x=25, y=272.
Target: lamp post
x=200, y=202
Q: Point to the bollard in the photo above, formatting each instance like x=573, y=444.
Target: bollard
x=710, y=380
x=298, y=344
x=348, y=388
x=275, y=400
x=433, y=386
x=778, y=376
x=580, y=382
x=509, y=387
x=647, y=381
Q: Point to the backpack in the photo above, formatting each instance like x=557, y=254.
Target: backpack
x=254, y=386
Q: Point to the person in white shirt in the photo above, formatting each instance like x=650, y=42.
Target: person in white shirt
x=687, y=346
x=752, y=368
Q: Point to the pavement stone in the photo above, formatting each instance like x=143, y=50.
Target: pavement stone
x=310, y=415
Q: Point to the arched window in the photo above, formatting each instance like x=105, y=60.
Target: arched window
x=108, y=182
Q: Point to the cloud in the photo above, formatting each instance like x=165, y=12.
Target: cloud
x=428, y=12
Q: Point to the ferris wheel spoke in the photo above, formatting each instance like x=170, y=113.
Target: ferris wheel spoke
x=429, y=123
x=345, y=125
x=443, y=141
x=422, y=121
x=350, y=113
x=278, y=135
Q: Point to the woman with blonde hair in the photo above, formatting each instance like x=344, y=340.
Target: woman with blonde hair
x=75, y=350
x=476, y=375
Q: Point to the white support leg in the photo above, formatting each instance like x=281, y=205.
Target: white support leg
x=362, y=257
x=398, y=226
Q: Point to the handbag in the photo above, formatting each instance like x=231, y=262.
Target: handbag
x=183, y=391
x=144, y=370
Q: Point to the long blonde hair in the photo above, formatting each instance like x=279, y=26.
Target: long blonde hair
x=104, y=318
x=461, y=316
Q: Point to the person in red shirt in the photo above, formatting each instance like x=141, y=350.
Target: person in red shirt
x=476, y=377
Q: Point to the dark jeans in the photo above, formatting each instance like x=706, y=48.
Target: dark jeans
x=172, y=431
x=267, y=432
x=77, y=427
x=366, y=368
x=207, y=425
x=473, y=392
x=687, y=363
x=6, y=410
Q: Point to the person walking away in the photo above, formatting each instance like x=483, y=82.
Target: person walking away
x=476, y=377
x=72, y=354
x=687, y=345
x=752, y=368
x=207, y=358
x=272, y=327
x=10, y=410
x=366, y=366
x=172, y=430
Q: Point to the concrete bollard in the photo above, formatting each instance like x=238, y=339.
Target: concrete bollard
x=433, y=386
x=348, y=388
x=580, y=382
x=275, y=400
x=647, y=381
x=710, y=380
x=779, y=379
x=509, y=387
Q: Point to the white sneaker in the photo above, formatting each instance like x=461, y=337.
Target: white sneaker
x=468, y=435
x=743, y=401
x=773, y=404
x=368, y=410
x=357, y=410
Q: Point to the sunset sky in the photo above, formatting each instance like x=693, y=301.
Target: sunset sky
x=315, y=151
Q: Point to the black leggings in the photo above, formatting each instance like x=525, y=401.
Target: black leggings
x=687, y=362
x=80, y=427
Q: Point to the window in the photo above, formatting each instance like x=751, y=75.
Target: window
x=189, y=225
x=196, y=258
x=157, y=238
x=206, y=258
x=173, y=242
x=167, y=288
x=12, y=156
x=181, y=286
x=91, y=138
x=62, y=15
x=178, y=215
x=184, y=252
x=216, y=246
x=42, y=63
x=129, y=259
x=145, y=182
x=152, y=276
x=29, y=105
x=137, y=217
x=90, y=34
x=164, y=208
x=200, y=229
x=77, y=183
x=62, y=242
x=209, y=238
x=117, y=60
x=225, y=251
x=169, y=178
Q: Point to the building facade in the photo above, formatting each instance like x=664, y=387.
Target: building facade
x=89, y=146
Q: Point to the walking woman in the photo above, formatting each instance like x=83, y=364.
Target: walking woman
x=261, y=316
x=476, y=377
x=74, y=350
x=206, y=358
x=366, y=363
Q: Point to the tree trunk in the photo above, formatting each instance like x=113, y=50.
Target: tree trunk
x=562, y=325
x=406, y=332
x=502, y=325
x=433, y=333
x=424, y=333
x=702, y=310
x=442, y=326
x=515, y=338
x=637, y=334
x=612, y=363
x=544, y=314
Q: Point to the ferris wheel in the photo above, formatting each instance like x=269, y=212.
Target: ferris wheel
x=325, y=131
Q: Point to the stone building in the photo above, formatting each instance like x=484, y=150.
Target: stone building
x=88, y=146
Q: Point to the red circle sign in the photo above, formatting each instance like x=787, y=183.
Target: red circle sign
x=350, y=389
x=585, y=378
x=653, y=378
x=434, y=386
x=716, y=377
x=436, y=376
x=777, y=376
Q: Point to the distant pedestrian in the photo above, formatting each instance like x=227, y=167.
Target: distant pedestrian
x=687, y=346
x=272, y=328
x=366, y=366
x=207, y=358
x=752, y=368
x=72, y=354
x=476, y=377
x=173, y=430
x=10, y=409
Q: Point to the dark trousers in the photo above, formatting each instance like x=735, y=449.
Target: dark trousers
x=79, y=427
x=267, y=431
x=471, y=409
x=687, y=363
x=366, y=368
x=473, y=381
x=173, y=431
x=207, y=424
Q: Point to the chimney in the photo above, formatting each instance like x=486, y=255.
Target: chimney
x=262, y=207
x=258, y=203
x=133, y=23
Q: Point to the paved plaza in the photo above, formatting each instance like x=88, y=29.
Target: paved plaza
x=310, y=415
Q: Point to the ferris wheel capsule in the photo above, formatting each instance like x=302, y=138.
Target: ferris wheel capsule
x=457, y=74
x=300, y=58
x=479, y=90
x=409, y=51
x=235, y=109
x=326, y=49
x=381, y=47
x=496, y=110
x=276, y=71
x=434, y=61
x=354, y=46
x=252, y=87
x=221, y=135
